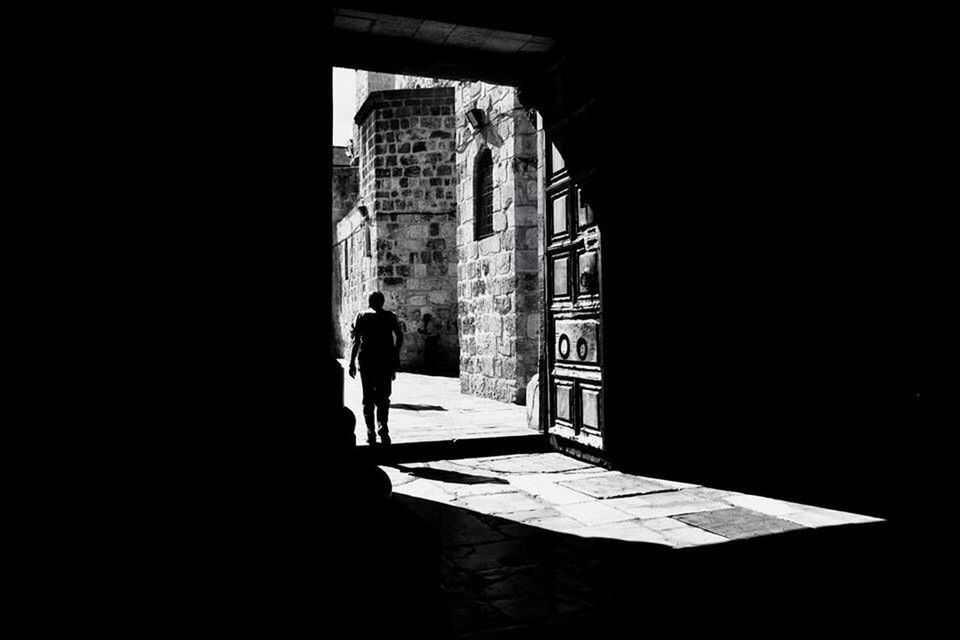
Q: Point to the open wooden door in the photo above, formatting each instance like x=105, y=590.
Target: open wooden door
x=572, y=249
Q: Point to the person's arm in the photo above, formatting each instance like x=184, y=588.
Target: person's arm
x=354, y=349
x=399, y=343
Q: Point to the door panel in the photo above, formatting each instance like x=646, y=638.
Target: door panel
x=559, y=216
x=573, y=309
x=560, y=277
x=582, y=338
x=564, y=399
x=590, y=407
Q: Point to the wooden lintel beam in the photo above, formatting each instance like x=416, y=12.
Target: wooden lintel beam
x=399, y=55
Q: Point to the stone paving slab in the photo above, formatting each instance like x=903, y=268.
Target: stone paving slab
x=592, y=513
x=768, y=506
x=500, y=503
x=630, y=530
x=589, y=472
x=677, y=509
x=531, y=593
x=737, y=523
x=425, y=489
x=826, y=518
x=547, y=490
x=663, y=524
x=469, y=490
x=616, y=485
x=710, y=494
x=543, y=463
x=556, y=523
x=536, y=514
x=512, y=552
x=672, y=483
x=690, y=537
x=661, y=505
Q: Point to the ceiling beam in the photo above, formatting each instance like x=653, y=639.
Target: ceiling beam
x=518, y=17
x=404, y=56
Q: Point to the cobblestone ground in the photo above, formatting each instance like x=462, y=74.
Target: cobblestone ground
x=519, y=532
x=431, y=408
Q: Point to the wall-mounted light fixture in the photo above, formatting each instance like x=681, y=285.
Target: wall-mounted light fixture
x=476, y=118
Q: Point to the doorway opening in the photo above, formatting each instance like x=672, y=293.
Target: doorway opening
x=435, y=205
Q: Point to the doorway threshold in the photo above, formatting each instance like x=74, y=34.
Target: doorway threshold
x=425, y=451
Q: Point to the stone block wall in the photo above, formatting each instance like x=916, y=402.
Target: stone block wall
x=408, y=150
x=346, y=188
x=413, y=263
x=419, y=82
x=498, y=293
x=354, y=273
x=417, y=273
x=408, y=183
x=368, y=82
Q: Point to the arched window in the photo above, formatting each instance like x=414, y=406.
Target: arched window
x=483, y=196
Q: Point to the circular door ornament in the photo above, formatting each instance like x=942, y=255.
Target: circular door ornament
x=564, y=346
x=582, y=349
x=588, y=282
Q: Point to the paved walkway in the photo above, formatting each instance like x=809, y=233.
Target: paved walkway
x=523, y=535
x=431, y=408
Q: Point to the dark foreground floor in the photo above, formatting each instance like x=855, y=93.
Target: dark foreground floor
x=414, y=576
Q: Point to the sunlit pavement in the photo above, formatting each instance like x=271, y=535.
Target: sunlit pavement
x=431, y=408
x=521, y=534
x=554, y=492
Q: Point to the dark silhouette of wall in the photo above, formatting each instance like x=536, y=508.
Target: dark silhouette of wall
x=774, y=256
x=785, y=261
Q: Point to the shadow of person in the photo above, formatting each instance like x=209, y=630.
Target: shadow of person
x=448, y=476
x=417, y=407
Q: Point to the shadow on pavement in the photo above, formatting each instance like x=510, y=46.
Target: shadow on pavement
x=448, y=476
x=417, y=407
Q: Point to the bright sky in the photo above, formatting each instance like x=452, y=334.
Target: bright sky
x=344, y=96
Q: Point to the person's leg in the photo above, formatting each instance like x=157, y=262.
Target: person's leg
x=368, y=382
x=385, y=387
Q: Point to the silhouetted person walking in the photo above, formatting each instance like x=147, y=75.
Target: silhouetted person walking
x=379, y=357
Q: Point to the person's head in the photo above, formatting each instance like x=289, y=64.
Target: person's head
x=427, y=318
x=376, y=300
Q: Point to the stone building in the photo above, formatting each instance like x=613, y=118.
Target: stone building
x=400, y=239
x=346, y=188
x=497, y=244
x=450, y=226
x=346, y=183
